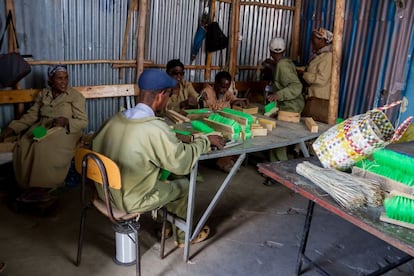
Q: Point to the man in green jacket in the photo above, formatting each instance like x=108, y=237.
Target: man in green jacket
x=143, y=145
x=287, y=88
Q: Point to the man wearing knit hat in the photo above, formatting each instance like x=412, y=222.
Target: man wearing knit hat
x=143, y=145
x=286, y=87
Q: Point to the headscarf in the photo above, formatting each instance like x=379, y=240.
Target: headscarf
x=56, y=68
x=323, y=33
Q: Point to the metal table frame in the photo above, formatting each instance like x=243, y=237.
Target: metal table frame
x=366, y=219
x=284, y=134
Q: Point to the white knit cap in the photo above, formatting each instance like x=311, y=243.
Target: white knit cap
x=277, y=45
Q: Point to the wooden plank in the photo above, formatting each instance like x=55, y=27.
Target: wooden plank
x=288, y=116
x=387, y=184
x=267, y=122
x=311, y=125
x=89, y=92
x=249, y=110
x=384, y=218
x=174, y=115
x=227, y=131
x=259, y=131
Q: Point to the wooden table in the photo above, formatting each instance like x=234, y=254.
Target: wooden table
x=365, y=218
x=284, y=134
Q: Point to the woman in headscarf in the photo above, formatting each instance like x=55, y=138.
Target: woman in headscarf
x=48, y=134
x=317, y=76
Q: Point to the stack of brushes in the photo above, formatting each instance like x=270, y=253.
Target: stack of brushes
x=399, y=207
x=348, y=190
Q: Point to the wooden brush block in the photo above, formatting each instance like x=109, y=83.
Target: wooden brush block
x=267, y=123
x=176, y=117
x=384, y=218
x=288, y=116
x=241, y=120
x=258, y=131
x=226, y=130
x=248, y=110
x=311, y=125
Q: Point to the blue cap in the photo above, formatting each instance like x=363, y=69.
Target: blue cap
x=154, y=79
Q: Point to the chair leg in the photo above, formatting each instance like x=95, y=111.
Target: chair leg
x=81, y=232
x=164, y=225
x=137, y=252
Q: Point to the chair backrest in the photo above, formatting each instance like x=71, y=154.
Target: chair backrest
x=93, y=160
x=100, y=169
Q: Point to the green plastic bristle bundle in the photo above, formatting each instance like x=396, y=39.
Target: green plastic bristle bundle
x=202, y=127
x=394, y=160
x=391, y=164
x=198, y=111
x=239, y=113
x=182, y=132
x=164, y=175
x=397, y=175
x=269, y=106
x=400, y=208
x=39, y=132
x=227, y=121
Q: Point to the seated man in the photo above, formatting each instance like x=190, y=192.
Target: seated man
x=60, y=113
x=184, y=95
x=220, y=95
x=143, y=145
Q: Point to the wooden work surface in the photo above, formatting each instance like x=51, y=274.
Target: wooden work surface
x=365, y=218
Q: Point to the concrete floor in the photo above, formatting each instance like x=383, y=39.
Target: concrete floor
x=256, y=231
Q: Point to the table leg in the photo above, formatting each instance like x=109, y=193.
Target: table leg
x=304, y=149
x=190, y=211
x=305, y=235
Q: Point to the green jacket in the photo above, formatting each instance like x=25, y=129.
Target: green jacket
x=288, y=87
x=141, y=148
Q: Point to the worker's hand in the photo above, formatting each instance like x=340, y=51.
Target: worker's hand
x=242, y=102
x=216, y=141
x=192, y=102
x=60, y=122
x=7, y=132
x=272, y=97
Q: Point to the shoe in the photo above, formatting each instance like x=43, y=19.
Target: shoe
x=2, y=266
x=167, y=234
x=202, y=236
x=35, y=195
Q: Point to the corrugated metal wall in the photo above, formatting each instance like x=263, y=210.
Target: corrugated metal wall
x=377, y=48
x=375, y=54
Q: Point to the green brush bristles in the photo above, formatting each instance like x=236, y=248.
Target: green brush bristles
x=391, y=164
x=394, y=160
x=240, y=114
x=269, y=106
x=400, y=208
x=227, y=121
x=198, y=111
x=202, y=127
x=397, y=175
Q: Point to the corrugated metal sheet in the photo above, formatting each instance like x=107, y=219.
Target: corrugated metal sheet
x=376, y=47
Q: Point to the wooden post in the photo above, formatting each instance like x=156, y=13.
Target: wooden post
x=141, y=36
x=207, y=73
x=336, y=60
x=133, y=8
x=296, y=29
x=235, y=15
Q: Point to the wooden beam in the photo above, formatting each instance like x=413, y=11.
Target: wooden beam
x=336, y=60
x=296, y=30
x=207, y=72
x=141, y=36
x=133, y=8
x=235, y=15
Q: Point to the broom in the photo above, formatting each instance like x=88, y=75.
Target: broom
x=348, y=190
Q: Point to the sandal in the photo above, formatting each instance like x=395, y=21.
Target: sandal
x=202, y=236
